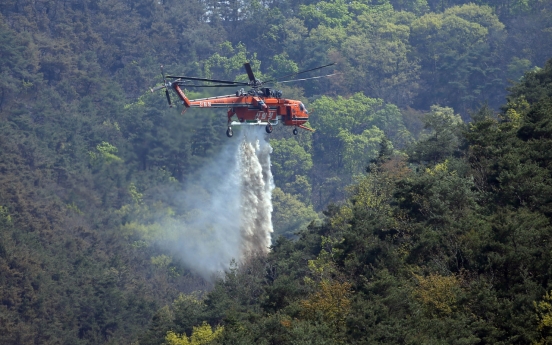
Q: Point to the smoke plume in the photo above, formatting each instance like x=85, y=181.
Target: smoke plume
x=228, y=208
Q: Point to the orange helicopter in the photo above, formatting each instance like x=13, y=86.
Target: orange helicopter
x=259, y=106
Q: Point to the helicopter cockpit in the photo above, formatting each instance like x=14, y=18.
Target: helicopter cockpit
x=302, y=107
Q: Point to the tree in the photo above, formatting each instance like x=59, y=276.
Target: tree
x=444, y=138
x=457, y=49
x=201, y=335
x=339, y=121
x=437, y=293
x=290, y=214
x=324, y=13
x=377, y=50
x=543, y=310
x=18, y=62
x=289, y=159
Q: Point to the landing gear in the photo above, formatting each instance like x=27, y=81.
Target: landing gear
x=269, y=128
x=229, y=132
x=295, y=131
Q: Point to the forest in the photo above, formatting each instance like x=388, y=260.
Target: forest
x=418, y=212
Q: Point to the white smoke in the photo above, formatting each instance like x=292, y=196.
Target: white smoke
x=228, y=208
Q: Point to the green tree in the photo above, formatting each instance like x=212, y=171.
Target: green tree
x=290, y=214
x=201, y=335
x=289, y=159
x=349, y=131
x=459, y=51
x=543, y=310
x=18, y=63
x=377, y=51
x=329, y=14
x=443, y=139
x=229, y=60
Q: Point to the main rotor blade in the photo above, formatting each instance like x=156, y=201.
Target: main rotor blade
x=205, y=79
x=249, y=71
x=305, y=71
x=163, y=74
x=215, y=85
x=168, y=97
x=321, y=76
x=153, y=89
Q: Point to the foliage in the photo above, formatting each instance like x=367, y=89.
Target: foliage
x=443, y=138
x=331, y=303
x=289, y=159
x=348, y=137
x=89, y=160
x=437, y=293
x=544, y=318
x=201, y=335
x=290, y=213
x=454, y=251
x=457, y=68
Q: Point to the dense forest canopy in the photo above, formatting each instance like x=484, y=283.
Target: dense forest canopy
x=417, y=212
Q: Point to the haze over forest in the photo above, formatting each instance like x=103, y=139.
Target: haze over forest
x=418, y=212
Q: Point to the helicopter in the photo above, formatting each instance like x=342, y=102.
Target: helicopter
x=259, y=106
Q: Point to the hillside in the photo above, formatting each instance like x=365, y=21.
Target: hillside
x=441, y=235
x=450, y=246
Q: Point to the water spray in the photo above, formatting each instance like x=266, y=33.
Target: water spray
x=256, y=193
x=229, y=208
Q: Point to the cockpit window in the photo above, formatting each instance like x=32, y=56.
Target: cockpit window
x=302, y=107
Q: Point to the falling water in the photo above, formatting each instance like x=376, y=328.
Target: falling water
x=227, y=208
x=256, y=191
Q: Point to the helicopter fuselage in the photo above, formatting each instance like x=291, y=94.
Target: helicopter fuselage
x=258, y=106
x=253, y=108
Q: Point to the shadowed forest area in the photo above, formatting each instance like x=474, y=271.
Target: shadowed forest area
x=418, y=212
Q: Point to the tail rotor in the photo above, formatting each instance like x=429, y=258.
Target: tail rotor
x=164, y=86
